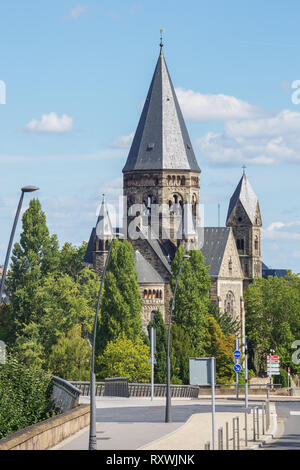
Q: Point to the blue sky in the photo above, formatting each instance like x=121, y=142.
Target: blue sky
x=76, y=75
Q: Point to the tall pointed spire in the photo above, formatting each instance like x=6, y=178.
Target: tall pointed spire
x=161, y=141
x=104, y=227
x=246, y=196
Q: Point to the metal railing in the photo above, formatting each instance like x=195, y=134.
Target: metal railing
x=143, y=390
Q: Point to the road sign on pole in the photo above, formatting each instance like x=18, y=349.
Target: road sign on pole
x=237, y=354
x=273, y=365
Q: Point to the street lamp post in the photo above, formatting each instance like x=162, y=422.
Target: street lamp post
x=168, y=418
x=93, y=436
x=26, y=189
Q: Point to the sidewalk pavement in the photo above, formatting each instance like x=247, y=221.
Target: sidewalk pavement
x=143, y=431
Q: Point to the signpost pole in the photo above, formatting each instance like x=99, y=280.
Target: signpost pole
x=213, y=404
x=237, y=374
x=152, y=360
x=246, y=372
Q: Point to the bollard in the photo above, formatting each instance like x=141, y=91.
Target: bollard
x=263, y=418
x=268, y=414
x=246, y=429
x=257, y=420
x=254, y=433
x=207, y=445
x=227, y=436
x=220, y=438
x=236, y=433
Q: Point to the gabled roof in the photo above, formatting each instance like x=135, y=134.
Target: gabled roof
x=161, y=140
x=247, y=197
x=146, y=273
x=214, y=246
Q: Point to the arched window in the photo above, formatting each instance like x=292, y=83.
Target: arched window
x=145, y=294
x=229, y=303
x=256, y=244
x=240, y=244
x=183, y=181
x=149, y=202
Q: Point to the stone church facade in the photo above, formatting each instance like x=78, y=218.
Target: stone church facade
x=161, y=184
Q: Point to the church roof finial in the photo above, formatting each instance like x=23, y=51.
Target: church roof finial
x=161, y=42
x=244, y=168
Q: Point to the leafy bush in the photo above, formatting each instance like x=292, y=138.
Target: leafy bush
x=25, y=396
x=282, y=378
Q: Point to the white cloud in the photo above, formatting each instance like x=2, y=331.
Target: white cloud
x=50, y=123
x=123, y=141
x=251, y=134
x=285, y=122
x=77, y=11
x=264, y=141
x=282, y=231
x=200, y=107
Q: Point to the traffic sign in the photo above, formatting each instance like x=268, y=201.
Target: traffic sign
x=237, y=354
x=237, y=368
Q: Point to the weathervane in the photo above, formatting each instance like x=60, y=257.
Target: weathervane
x=244, y=168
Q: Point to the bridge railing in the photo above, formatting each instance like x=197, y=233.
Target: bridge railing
x=143, y=390
x=65, y=395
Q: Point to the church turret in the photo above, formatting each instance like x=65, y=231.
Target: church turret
x=245, y=219
x=102, y=237
x=161, y=167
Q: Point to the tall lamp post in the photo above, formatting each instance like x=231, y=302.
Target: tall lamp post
x=168, y=418
x=26, y=189
x=93, y=436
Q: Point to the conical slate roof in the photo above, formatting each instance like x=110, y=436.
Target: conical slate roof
x=161, y=141
x=247, y=197
x=104, y=227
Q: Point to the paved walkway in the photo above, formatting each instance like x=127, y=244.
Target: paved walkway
x=138, y=424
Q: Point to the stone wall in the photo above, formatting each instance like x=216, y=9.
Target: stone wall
x=48, y=433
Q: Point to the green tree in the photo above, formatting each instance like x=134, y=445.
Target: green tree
x=70, y=357
x=28, y=347
x=65, y=303
x=71, y=259
x=121, y=301
x=125, y=358
x=160, y=368
x=36, y=255
x=182, y=350
x=192, y=296
x=226, y=322
x=221, y=347
x=273, y=319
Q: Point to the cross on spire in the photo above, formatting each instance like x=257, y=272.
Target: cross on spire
x=161, y=39
x=244, y=168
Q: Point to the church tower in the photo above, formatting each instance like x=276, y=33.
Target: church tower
x=161, y=169
x=245, y=219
